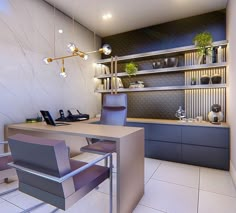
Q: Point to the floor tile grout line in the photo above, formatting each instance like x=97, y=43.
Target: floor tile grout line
x=199, y=182
x=151, y=208
x=174, y=183
x=15, y=205
x=155, y=170
x=6, y=199
x=217, y=193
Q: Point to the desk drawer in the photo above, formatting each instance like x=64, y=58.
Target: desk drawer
x=206, y=136
x=168, y=133
x=163, y=150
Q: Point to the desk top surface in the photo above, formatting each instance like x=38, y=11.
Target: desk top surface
x=168, y=122
x=79, y=128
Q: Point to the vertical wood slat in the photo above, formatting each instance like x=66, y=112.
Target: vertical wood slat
x=199, y=101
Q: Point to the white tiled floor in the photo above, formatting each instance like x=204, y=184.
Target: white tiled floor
x=169, y=188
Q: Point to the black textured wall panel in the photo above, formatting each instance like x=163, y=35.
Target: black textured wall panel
x=161, y=104
x=168, y=35
x=156, y=104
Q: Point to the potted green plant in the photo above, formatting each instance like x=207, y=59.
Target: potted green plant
x=203, y=42
x=131, y=68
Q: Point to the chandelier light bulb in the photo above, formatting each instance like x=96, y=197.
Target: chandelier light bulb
x=63, y=74
x=47, y=60
x=106, y=49
x=85, y=57
x=71, y=47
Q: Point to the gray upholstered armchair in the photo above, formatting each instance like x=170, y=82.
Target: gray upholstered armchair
x=114, y=112
x=46, y=172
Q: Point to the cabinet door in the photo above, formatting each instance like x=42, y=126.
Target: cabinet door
x=168, y=133
x=206, y=156
x=206, y=136
x=145, y=126
x=163, y=150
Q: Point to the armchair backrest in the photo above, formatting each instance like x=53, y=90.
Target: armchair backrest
x=43, y=155
x=114, y=109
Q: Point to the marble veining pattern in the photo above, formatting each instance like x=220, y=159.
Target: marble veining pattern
x=27, y=85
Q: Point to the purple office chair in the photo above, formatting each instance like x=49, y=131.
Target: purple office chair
x=46, y=172
x=114, y=112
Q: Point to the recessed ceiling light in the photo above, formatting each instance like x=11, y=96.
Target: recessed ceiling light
x=107, y=16
x=60, y=31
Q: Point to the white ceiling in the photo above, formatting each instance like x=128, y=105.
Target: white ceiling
x=132, y=14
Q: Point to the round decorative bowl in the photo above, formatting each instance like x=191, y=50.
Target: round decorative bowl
x=205, y=79
x=172, y=62
x=216, y=79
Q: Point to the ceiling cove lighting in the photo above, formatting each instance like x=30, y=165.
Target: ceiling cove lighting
x=60, y=31
x=107, y=16
x=71, y=48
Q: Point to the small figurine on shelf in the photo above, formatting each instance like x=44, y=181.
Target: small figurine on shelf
x=193, y=81
x=180, y=114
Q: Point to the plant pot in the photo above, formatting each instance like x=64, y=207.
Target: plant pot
x=216, y=79
x=193, y=82
x=205, y=79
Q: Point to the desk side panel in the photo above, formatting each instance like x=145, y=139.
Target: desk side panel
x=130, y=165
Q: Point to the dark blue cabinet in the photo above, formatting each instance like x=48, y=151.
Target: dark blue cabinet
x=168, y=133
x=206, y=156
x=197, y=145
x=206, y=136
x=163, y=150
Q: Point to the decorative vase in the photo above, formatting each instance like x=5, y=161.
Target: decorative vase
x=158, y=64
x=205, y=79
x=172, y=62
x=193, y=82
x=200, y=59
x=216, y=79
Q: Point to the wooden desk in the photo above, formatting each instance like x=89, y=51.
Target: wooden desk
x=129, y=146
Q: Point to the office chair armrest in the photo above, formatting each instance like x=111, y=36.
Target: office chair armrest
x=5, y=154
x=65, y=177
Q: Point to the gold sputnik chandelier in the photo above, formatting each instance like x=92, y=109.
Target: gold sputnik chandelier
x=71, y=47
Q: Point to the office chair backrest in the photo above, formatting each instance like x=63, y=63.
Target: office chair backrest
x=43, y=155
x=114, y=109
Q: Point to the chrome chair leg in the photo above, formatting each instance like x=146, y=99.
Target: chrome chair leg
x=111, y=185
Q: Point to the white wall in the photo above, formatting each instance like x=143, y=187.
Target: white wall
x=26, y=83
x=231, y=97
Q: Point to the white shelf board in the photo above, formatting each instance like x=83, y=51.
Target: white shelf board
x=145, y=89
x=169, y=69
x=160, y=52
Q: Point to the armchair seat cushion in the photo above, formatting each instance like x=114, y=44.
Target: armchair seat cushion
x=100, y=147
x=90, y=177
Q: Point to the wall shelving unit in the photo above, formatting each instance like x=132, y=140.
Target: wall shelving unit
x=198, y=98
x=146, y=89
x=161, y=52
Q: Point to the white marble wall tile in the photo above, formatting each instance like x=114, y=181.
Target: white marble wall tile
x=26, y=83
